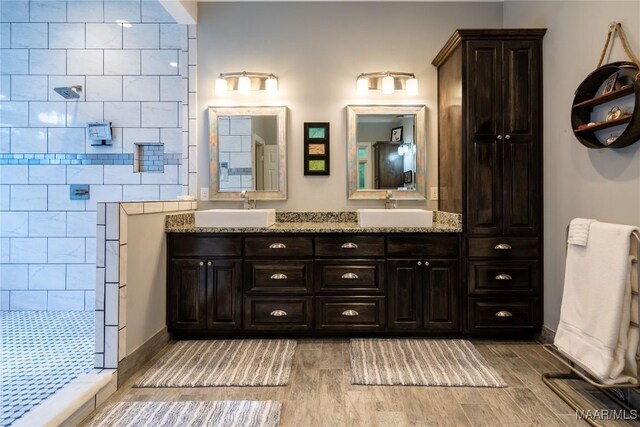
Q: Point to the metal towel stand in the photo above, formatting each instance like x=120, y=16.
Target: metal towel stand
x=577, y=373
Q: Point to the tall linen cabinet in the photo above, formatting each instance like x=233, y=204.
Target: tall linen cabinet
x=490, y=171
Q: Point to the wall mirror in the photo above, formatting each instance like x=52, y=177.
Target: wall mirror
x=386, y=151
x=248, y=152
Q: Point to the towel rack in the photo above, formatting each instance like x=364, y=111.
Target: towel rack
x=576, y=373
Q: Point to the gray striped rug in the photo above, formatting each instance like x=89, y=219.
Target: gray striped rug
x=222, y=363
x=238, y=413
x=447, y=363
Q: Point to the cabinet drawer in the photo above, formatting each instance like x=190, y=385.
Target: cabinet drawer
x=339, y=276
x=278, y=246
x=277, y=313
x=496, y=313
x=205, y=247
x=422, y=246
x=278, y=276
x=353, y=313
x=487, y=277
x=503, y=247
x=351, y=246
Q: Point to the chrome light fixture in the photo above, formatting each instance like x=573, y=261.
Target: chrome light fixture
x=245, y=82
x=388, y=82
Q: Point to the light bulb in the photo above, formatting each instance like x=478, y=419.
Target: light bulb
x=271, y=86
x=221, y=87
x=388, y=84
x=244, y=85
x=412, y=86
x=362, y=86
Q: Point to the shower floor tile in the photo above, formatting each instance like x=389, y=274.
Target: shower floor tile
x=40, y=352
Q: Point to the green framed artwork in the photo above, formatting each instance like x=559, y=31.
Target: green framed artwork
x=316, y=148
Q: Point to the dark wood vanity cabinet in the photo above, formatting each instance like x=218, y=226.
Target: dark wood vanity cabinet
x=490, y=171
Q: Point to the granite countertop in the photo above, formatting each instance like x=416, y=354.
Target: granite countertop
x=315, y=222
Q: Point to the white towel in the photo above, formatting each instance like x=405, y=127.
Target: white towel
x=579, y=231
x=594, y=328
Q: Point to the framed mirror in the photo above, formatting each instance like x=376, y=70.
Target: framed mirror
x=248, y=152
x=386, y=151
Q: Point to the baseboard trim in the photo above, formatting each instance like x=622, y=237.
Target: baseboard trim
x=132, y=363
x=546, y=335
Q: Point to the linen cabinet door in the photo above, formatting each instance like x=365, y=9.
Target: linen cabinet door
x=187, y=295
x=404, y=293
x=441, y=299
x=224, y=294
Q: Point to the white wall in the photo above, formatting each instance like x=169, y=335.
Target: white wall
x=317, y=50
x=578, y=182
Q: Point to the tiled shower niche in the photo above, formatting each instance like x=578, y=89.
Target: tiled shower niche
x=148, y=158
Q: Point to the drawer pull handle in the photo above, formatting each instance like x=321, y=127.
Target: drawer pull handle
x=349, y=276
x=349, y=245
x=278, y=276
x=350, y=313
x=278, y=313
x=504, y=313
x=277, y=246
x=503, y=277
x=502, y=247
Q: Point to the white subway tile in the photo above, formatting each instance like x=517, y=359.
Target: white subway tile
x=104, y=36
x=101, y=255
x=66, y=301
x=171, y=36
x=29, y=88
x=47, y=174
x=169, y=176
x=127, y=10
x=79, y=113
x=112, y=213
x=136, y=135
x=193, y=51
x=111, y=304
x=5, y=35
x=46, y=276
x=14, y=174
x=14, y=11
x=14, y=114
x=84, y=11
x=29, y=197
x=47, y=224
x=122, y=62
x=193, y=78
x=104, y=88
x=66, y=140
x=47, y=11
x=59, y=199
x=48, y=61
x=90, y=249
x=5, y=250
x=5, y=140
x=193, y=160
x=28, y=300
x=81, y=277
x=14, y=61
x=104, y=193
x=87, y=62
x=26, y=250
x=120, y=174
x=68, y=250
x=85, y=174
x=159, y=62
x=90, y=300
x=122, y=314
x=159, y=114
x=141, y=88
x=141, y=36
x=66, y=36
x=4, y=300
x=140, y=192
x=99, y=325
x=29, y=140
x=66, y=81
x=172, y=88
x=5, y=192
x=172, y=140
x=5, y=88
x=14, y=276
x=112, y=251
x=81, y=224
x=25, y=35
x=170, y=192
x=111, y=347
x=153, y=11
x=47, y=114
x=101, y=213
x=123, y=114
x=14, y=224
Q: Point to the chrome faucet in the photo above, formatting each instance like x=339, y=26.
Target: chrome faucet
x=249, y=203
x=390, y=203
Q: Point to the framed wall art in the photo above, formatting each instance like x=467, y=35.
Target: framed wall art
x=316, y=149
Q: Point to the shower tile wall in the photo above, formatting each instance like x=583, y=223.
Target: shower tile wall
x=133, y=74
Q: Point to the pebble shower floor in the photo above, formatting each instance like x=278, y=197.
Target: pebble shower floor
x=40, y=352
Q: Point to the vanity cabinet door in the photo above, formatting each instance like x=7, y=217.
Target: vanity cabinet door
x=404, y=293
x=224, y=294
x=441, y=296
x=187, y=295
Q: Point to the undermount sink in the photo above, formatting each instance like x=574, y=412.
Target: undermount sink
x=395, y=218
x=225, y=218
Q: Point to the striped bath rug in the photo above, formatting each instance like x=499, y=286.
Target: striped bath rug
x=447, y=363
x=215, y=363
x=238, y=413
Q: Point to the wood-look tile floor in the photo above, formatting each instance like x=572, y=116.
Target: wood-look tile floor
x=320, y=393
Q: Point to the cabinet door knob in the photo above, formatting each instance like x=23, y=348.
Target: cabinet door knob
x=277, y=246
x=278, y=276
x=278, y=313
x=419, y=263
x=349, y=245
x=503, y=277
x=499, y=136
x=350, y=313
x=504, y=313
x=502, y=247
x=426, y=263
x=349, y=276
x=201, y=263
x=209, y=263
x=507, y=137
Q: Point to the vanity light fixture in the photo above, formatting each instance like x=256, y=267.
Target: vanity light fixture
x=244, y=82
x=388, y=82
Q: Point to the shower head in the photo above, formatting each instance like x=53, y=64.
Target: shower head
x=70, y=92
